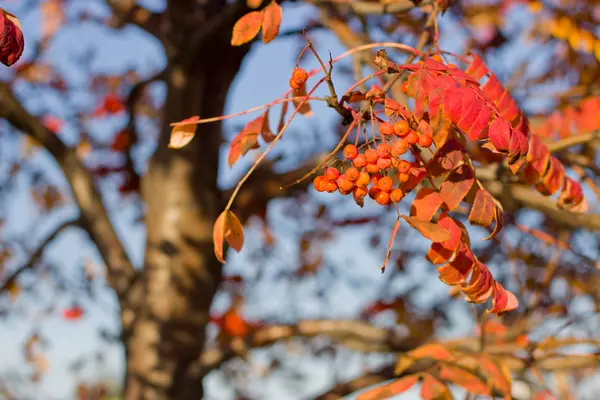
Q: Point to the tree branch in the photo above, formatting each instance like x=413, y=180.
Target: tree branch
x=374, y=8
x=36, y=255
x=129, y=12
x=265, y=184
x=94, y=216
x=356, y=335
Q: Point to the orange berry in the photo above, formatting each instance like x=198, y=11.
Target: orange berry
x=360, y=161
x=345, y=184
x=299, y=76
x=359, y=192
x=399, y=147
x=371, y=156
x=331, y=187
x=344, y=192
x=395, y=162
x=384, y=163
x=374, y=192
x=332, y=173
x=293, y=84
x=401, y=128
x=352, y=173
x=383, y=150
x=320, y=183
x=372, y=168
x=412, y=138
x=396, y=195
x=363, y=179
x=386, y=129
x=404, y=86
x=404, y=166
x=350, y=152
x=385, y=184
x=383, y=198
x=375, y=178
x=425, y=140
x=403, y=177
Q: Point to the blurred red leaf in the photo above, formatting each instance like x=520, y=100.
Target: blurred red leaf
x=433, y=389
x=390, y=389
x=429, y=230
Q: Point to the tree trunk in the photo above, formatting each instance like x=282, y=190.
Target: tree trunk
x=166, y=317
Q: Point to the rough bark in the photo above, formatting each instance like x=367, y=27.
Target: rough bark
x=164, y=331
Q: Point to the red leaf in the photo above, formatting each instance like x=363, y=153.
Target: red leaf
x=271, y=21
x=537, y=160
x=482, y=212
x=553, y=180
x=417, y=175
x=571, y=196
x=456, y=186
x=72, y=314
x=390, y=244
x=426, y=204
x=246, y=28
x=227, y=228
x=443, y=251
x=52, y=123
x=447, y=158
x=246, y=140
x=477, y=69
x=470, y=382
x=481, y=284
x=393, y=108
x=183, y=132
x=433, y=389
x=11, y=38
x=502, y=300
x=459, y=268
x=499, y=134
x=390, y=389
x=431, y=231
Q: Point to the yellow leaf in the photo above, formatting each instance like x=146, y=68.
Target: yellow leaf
x=183, y=132
x=227, y=228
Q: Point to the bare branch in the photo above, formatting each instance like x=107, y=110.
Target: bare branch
x=36, y=255
x=94, y=216
x=356, y=335
x=374, y=8
x=265, y=184
x=372, y=378
x=129, y=12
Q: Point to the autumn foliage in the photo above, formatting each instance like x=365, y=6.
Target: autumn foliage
x=433, y=146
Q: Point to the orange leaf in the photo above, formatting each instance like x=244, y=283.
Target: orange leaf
x=433, y=389
x=390, y=244
x=456, y=187
x=485, y=209
x=265, y=130
x=391, y=389
x=429, y=230
x=183, y=132
x=246, y=28
x=247, y=139
x=227, y=228
x=271, y=21
x=426, y=204
x=443, y=251
x=472, y=383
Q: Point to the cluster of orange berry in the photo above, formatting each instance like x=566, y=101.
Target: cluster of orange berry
x=299, y=77
x=370, y=171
